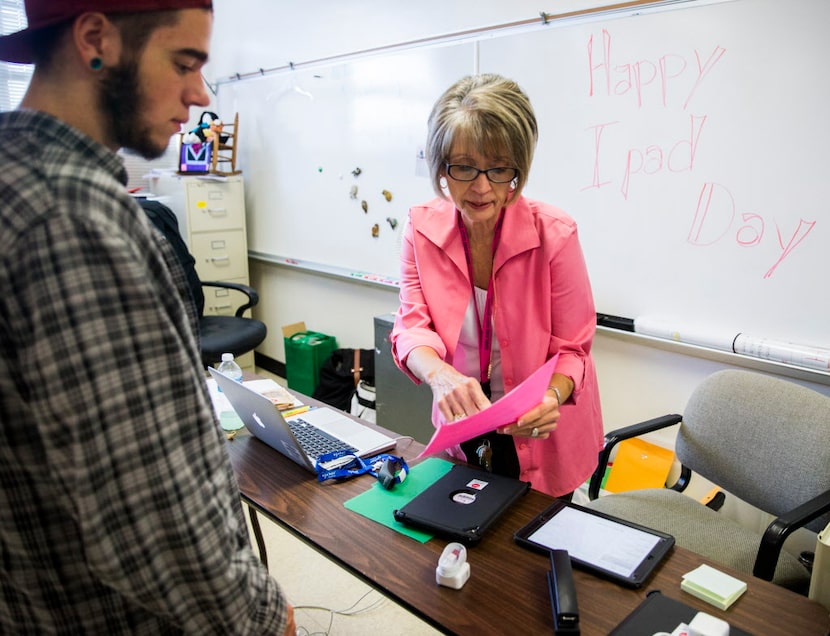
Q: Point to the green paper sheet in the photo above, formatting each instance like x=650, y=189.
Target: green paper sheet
x=378, y=504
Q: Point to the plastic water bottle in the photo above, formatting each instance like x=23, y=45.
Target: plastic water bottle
x=229, y=367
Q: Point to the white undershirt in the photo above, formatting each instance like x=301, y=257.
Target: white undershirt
x=465, y=358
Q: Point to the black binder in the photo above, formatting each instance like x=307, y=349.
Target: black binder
x=659, y=613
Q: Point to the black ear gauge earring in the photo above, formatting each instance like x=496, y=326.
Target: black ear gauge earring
x=96, y=64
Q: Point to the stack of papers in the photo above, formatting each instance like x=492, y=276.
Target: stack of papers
x=713, y=586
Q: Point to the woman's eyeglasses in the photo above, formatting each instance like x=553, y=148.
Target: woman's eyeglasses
x=460, y=172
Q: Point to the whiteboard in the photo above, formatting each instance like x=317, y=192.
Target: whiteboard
x=305, y=132
x=690, y=143
x=691, y=146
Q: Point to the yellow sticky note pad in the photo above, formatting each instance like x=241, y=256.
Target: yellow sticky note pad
x=713, y=586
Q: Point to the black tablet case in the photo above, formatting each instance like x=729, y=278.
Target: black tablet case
x=435, y=510
x=659, y=613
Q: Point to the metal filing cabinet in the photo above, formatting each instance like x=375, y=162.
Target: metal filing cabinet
x=402, y=405
x=211, y=217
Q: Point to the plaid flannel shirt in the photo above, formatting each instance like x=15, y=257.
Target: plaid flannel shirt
x=119, y=512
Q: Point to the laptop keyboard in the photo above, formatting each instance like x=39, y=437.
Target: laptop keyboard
x=314, y=441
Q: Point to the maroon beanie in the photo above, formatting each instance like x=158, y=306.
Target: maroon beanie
x=17, y=47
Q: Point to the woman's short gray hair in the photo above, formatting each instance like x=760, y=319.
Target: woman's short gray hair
x=492, y=115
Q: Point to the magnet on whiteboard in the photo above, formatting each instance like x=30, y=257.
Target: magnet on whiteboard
x=353, y=192
x=364, y=205
x=356, y=172
x=375, y=230
x=393, y=222
x=387, y=195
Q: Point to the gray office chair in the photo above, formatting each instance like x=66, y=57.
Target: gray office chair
x=762, y=439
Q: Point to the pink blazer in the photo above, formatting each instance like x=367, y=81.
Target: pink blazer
x=543, y=306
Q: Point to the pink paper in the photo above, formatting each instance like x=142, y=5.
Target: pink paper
x=503, y=412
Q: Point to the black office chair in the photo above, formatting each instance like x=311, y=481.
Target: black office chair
x=234, y=334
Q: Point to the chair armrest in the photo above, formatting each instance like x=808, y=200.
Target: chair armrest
x=781, y=528
x=612, y=438
x=250, y=292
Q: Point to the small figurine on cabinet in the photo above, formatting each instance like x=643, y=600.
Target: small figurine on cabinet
x=210, y=147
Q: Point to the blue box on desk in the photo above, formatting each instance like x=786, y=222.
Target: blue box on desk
x=305, y=353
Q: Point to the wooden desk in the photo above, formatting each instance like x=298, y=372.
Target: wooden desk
x=507, y=591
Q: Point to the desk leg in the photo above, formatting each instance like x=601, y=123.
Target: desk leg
x=260, y=542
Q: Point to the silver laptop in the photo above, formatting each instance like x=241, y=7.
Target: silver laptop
x=304, y=437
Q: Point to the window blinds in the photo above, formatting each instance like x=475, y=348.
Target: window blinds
x=14, y=78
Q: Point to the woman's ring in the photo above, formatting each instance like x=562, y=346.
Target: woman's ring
x=458, y=417
x=534, y=432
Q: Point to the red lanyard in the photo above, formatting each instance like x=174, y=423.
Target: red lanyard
x=485, y=327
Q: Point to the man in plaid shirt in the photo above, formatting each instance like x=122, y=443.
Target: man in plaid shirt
x=119, y=509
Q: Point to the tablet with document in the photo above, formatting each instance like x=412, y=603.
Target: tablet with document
x=620, y=550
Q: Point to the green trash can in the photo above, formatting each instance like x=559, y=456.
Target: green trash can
x=305, y=353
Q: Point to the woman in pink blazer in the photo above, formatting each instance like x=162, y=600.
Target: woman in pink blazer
x=493, y=285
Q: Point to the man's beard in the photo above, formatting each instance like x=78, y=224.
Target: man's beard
x=121, y=101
